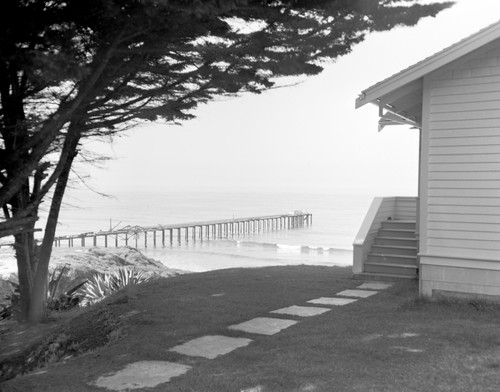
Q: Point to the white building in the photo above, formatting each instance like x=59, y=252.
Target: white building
x=449, y=236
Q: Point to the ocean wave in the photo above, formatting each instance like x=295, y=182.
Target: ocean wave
x=288, y=247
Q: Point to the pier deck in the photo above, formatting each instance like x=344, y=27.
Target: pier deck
x=223, y=228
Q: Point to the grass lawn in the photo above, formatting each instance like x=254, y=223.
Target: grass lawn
x=388, y=342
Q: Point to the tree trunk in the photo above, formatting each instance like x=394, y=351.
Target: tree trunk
x=25, y=248
x=23, y=244
x=38, y=295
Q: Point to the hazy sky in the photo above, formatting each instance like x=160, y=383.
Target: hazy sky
x=302, y=138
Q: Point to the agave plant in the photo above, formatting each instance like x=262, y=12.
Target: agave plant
x=125, y=276
x=99, y=286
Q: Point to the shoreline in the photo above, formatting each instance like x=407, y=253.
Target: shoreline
x=202, y=257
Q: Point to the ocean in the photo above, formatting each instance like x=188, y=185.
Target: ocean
x=328, y=241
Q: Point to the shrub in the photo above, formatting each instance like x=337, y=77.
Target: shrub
x=100, y=285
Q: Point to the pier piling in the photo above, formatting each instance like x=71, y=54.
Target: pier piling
x=228, y=228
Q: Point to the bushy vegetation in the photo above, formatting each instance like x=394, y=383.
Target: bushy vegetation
x=100, y=285
x=63, y=294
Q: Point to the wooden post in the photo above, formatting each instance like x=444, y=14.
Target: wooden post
x=105, y=240
x=154, y=238
x=145, y=239
x=163, y=237
x=95, y=240
x=116, y=241
x=126, y=239
x=83, y=241
x=171, y=234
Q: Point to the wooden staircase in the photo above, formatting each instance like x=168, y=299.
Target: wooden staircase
x=393, y=255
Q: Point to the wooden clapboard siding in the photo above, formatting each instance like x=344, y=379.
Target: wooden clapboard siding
x=465, y=98
x=470, y=158
x=464, y=107
x=443, y=224
x=405, y=208
x=463, y=184
x=465, y=141
x=461, y=192
x=462, y=218
x=462, y=166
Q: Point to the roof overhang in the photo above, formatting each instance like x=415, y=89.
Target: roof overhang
x=399, y=97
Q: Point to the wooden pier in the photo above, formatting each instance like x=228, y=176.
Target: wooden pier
x=163, y=235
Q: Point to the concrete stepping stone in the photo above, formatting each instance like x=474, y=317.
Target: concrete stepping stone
x=302, y=311
x=375, y=286
x=357, y=293
x=210, y=346
x=143, y=374
x=332, y=301
x=263, y=325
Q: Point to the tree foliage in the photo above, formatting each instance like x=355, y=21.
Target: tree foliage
x=72, y=69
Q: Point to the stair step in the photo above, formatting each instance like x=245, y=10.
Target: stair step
x=382, y=277
x=396, y=241
x=392, y=259
x=399, y=224
x=395, y=250
x=392, y=269
x=399, y=233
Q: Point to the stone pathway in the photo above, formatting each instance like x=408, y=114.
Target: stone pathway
x=146, y=374
x=210, y=346
x=302, y=311
x=263, y=325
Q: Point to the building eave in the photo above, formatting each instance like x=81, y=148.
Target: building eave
x=428, y=65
